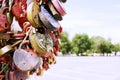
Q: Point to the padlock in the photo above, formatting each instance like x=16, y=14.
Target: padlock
x=26, y=61
x=19, y=8
x=41, y=43
x=47, y=19
x=54, y=12
x=16, y=10
x=4, y=25
x=32, y=15
x=19, y=11
x=8, y=48
x=59, y=7
x=26, y=56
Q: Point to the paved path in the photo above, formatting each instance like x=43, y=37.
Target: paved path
x=83, y=68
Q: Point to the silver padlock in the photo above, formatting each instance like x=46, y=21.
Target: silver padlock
x=25, y=61
x=48, y=20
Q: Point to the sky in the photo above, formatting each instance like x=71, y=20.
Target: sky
x=93, y=17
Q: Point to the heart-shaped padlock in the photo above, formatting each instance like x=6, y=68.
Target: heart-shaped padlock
x=26, y=60
x=42, y=43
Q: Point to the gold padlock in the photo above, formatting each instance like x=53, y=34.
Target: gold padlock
x=8, y=48
x=41, y=43
x=5, y=49
x=33, y=14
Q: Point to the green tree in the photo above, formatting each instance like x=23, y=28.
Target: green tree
x=105, y=47
x=75, y=44
x=116, y=48
x=65, y=44
x=97, y=40
x=81, y=43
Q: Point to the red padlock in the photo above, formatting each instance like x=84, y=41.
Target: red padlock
x=4, y=25
x=19, y=11
x=19, y=8
x=16, y=10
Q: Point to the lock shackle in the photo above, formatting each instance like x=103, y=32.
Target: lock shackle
x=3, y=10
x=27, y=34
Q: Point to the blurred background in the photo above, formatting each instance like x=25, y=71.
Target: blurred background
x=90, y=44
x=91, y=27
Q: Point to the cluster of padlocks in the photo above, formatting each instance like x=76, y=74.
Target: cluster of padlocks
x=29, y=36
